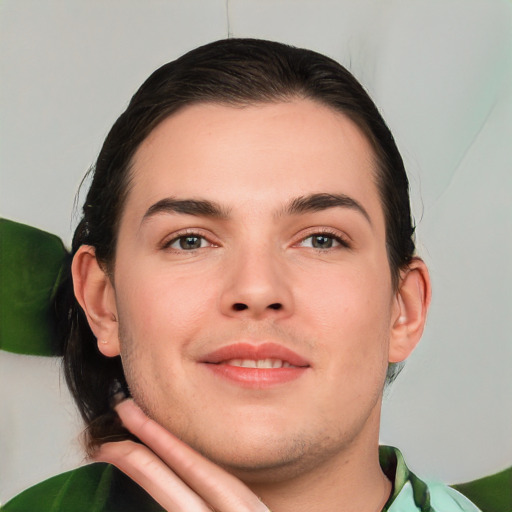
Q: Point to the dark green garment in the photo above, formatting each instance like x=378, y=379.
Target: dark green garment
x=103, y=488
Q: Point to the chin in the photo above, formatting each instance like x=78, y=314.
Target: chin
x=264, y=469
x=266, y=459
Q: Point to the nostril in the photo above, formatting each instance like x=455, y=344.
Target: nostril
x=239, y=306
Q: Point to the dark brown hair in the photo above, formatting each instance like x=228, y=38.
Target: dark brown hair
x=234, y=72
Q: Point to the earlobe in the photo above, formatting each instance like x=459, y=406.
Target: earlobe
x=95, y=293
x=410, y=310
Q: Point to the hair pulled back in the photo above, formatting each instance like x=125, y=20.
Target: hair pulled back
x=233, y=72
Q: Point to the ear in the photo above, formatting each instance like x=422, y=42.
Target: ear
x=95, y=293
x=409, y=310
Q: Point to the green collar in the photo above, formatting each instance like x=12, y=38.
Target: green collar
x=393, y=464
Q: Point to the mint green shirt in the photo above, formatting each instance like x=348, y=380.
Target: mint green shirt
x=410, y=494
x=103, y=488
x=440, y=499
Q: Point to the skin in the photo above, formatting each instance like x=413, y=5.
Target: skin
x=315, y=282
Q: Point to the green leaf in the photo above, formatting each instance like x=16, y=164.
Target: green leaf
x=79, y=490
x=97, y=487
x=492, y=493
x=30, y=266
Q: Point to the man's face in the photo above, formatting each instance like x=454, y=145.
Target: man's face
x=255, y=237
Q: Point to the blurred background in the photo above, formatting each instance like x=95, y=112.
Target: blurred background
x=441, y=73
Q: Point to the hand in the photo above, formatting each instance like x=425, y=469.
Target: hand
x=174, y=474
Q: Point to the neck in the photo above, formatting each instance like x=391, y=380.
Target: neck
x=349, y=481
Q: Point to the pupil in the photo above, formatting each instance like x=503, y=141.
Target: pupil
x=190, y=242
x=322, y=242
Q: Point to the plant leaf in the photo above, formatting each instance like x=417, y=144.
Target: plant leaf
x=30, y=266
x=97, y=487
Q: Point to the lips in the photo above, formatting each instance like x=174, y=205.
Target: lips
x=259, y=366
x=260, y=352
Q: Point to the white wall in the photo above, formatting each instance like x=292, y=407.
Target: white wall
x=441, y=71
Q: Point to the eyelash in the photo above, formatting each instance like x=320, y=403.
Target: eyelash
x=334, y=235
x=167, y=245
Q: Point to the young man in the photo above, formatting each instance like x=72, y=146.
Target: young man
x=245, y=271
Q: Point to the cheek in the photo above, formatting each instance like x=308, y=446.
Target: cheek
x=157, y=305
x=351, y=310
x=159, y=315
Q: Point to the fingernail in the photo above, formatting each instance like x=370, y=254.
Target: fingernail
x=118, y=393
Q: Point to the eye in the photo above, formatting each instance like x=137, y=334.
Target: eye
x=323, y=241
x=187, y=243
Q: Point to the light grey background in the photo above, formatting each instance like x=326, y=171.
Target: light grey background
x=440, y=71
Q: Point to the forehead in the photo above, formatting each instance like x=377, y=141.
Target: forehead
x=261, y=154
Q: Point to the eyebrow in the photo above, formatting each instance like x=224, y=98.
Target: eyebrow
x=197, y=207
x=323, y=201
x=299, y=205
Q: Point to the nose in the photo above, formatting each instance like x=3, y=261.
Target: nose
x=257, y=285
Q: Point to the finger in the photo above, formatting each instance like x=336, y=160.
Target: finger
x=216, y=486
x=144, y=467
